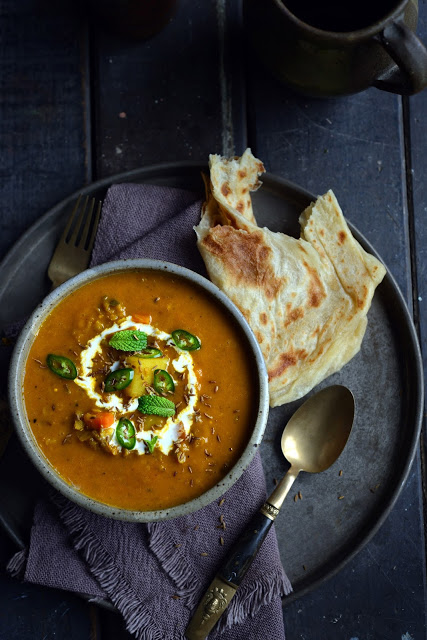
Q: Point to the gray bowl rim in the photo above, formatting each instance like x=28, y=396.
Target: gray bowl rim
x=21, y=423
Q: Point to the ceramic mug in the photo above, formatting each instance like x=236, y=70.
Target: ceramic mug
x=336, y=47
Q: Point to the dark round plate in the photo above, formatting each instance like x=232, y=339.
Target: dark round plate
x=320, y=533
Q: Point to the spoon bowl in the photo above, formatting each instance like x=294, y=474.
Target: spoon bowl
x=318, y=431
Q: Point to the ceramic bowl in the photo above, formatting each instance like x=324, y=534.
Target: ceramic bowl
x=19, y=415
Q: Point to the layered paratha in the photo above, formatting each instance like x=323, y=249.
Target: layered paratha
x=306, y=299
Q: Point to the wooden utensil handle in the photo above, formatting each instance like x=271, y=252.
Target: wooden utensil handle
x=245, y=549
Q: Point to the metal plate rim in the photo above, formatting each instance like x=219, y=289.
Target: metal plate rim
x=269, y=180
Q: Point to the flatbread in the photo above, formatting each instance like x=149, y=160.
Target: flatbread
x=305, y=299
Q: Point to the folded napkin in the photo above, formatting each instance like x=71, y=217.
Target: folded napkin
x=155, y=574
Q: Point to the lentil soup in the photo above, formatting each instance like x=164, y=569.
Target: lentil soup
x=140, y=390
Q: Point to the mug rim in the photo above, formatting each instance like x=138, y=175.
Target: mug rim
x=347, y=36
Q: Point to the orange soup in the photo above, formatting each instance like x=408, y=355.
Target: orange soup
x=140, y=390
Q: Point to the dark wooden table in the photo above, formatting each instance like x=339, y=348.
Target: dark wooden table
x=78, y=104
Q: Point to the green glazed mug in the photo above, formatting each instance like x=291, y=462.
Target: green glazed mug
x=338, y=47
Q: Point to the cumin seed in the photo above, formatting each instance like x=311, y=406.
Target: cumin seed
x=216, y=389
x=340, y=472
x=176, y=597
x=295, y=497
x=208, y=416
x=190, y=469
x=221, y=502
x=156, y=299
x=221, y=541
x=204, y=553
x=207, y=453
x=340, y=497
x=191, y=482
x=275, y=481
x=300, y=495
x=218, y=438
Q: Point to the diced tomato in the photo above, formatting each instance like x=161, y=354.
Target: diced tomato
x=142, y=318
x=101, y=420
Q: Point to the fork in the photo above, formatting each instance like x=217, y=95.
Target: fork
x=73, y=251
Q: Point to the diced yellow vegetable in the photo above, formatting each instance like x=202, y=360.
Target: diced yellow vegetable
x=144, y=373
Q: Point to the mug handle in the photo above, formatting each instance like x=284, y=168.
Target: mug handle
x=409, y=75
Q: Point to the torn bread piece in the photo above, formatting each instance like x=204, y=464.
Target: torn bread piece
x=306, y=299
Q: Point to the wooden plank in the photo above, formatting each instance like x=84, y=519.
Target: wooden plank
x=44, y=158
x=42, y=119
x=417, y=161
x=169, y=98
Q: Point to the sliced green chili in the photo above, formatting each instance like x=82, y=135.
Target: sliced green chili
x=151, y=443
x=118, y=380
x=62, y=366
x=185, y=340
x=162, y=381
x=149, y=352
x=125, y=433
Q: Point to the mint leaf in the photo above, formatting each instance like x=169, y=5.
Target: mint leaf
x=128, y=340
x=151, y=443
x=156, y=406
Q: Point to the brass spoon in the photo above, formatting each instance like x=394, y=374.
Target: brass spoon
x=312, y=441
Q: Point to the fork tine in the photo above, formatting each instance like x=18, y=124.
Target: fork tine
x=78, y=225
x=95, y=226
x=85, y=231
x=70, y=220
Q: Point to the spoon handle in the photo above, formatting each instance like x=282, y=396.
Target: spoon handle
x=230, y=575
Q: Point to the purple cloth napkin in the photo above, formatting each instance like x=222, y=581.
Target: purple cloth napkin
x=155, y=574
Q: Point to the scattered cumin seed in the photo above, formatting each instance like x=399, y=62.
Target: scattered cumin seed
x=190, y=469
x=304, y=567
x=212, y=430
x=177, y=545
x=203, y=553
x=340, y=497
x=191, y=482
x=156, y=299
x=300, y=495
x=230, y=448
x=176, y=597
x=208, y=416
x=67, y=439
x=218, y=438
x=236, y=410
x=212, y=381
x=216, y=389
x=295, y=497
x=340, y=472
x=174, y=473
x=207, y=453
x=186, y=400
x=221, y=540
x=221, y=502
x=221, y=518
